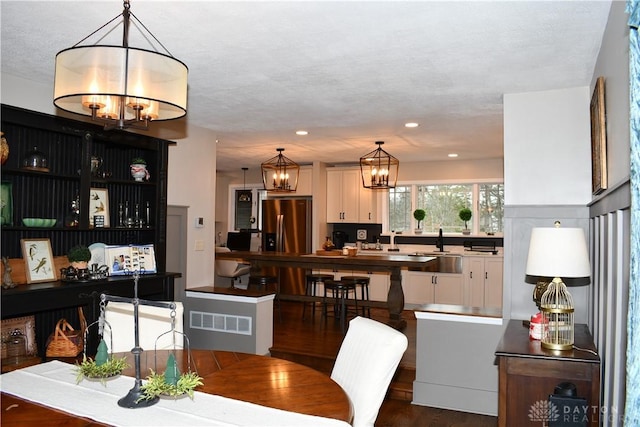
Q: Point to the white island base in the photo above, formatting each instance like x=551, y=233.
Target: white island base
x=455, y=361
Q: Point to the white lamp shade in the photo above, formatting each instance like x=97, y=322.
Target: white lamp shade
x=88, y=73
x=558, y=252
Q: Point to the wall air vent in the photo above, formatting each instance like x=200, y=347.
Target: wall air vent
x=218, y=322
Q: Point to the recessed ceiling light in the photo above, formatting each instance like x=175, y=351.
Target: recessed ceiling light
x=302, y=132
x=452, y=155
x=411, y=125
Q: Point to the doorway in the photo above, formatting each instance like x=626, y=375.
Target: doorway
x=177, y=247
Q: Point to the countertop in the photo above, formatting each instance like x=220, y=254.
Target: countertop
x=454, y=251
x=458, y=313
x=382, y=262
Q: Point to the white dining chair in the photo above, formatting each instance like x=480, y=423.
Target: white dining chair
x=367, y=360
x=230, y=268
x=154, y=323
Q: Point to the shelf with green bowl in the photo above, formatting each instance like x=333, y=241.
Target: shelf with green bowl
x=39, y=222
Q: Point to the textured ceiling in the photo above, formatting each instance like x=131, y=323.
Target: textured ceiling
x=350, y=73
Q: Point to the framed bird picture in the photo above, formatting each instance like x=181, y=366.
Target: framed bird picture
x=38, y=260
x=99, y=207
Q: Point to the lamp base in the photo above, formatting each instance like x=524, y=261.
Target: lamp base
x=539, y=290
x=556, y=307
x=556, y=346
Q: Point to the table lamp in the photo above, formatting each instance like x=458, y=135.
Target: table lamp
x=559, y=253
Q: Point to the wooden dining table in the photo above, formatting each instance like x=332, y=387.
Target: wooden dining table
x=262, y=380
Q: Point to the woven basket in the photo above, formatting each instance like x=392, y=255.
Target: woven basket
x=66, y=341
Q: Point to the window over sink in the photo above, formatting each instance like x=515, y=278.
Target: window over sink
x=442, y=203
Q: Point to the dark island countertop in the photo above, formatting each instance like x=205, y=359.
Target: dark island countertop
x=314, y=261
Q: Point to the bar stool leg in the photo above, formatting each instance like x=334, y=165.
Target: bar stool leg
x=364, y=289
x=344, y=294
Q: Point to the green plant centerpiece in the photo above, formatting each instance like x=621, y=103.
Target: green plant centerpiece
x=79, y=256
x=103, y=367
x=465, y=215
x=419, y=215
x=171, y=383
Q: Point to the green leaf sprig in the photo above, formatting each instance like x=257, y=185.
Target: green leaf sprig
x=155, y=386
x=89, y=369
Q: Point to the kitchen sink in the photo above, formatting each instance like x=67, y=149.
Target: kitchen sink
x=443, y=264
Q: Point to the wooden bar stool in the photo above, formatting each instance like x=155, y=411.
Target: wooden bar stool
x=363, y=282
x=310, y=289
x=340, y=292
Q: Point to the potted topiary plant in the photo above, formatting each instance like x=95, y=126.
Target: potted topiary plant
x=465, y=215
x=419, y=215
x=139, y=170
x=79, y=256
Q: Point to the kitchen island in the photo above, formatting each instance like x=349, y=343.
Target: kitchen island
x=391, y=264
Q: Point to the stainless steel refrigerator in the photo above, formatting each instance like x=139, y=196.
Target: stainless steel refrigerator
x=286, y=227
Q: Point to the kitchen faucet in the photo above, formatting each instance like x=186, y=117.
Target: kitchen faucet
x=440, y=241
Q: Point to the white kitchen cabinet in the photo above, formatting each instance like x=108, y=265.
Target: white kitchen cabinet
x=483, y=281
x=378, y=286
x=378, y=283
x=343, y=195
x=367, y=206
x=417, y=288
x=432, y=288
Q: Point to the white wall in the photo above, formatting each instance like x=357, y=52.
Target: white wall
x=192, y=183
x=547, y=147
x=191, y=180
x=454, y=169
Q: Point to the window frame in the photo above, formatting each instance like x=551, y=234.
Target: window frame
x=475, y=197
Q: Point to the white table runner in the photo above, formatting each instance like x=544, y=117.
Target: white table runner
x=53, y=384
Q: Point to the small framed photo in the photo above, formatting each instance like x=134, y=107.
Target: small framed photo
x=38, y=260
x=99, y=207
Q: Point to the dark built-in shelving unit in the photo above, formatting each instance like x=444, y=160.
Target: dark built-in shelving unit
x=68, y=146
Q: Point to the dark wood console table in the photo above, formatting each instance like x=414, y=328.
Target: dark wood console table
x=391, y=264
x=528, y=373
x=49, y=301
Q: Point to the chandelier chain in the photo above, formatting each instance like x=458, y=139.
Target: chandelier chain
x=125, y=42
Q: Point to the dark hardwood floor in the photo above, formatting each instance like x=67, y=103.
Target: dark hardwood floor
x=315, y=341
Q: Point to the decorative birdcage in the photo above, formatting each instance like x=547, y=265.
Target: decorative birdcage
x=556, y=306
